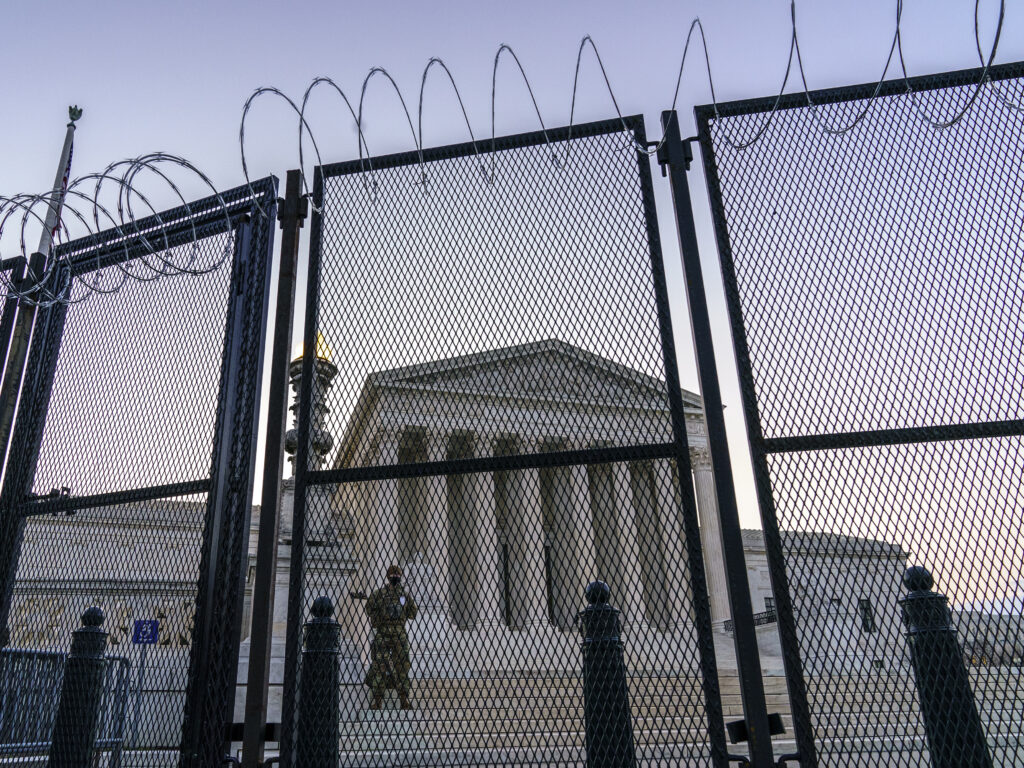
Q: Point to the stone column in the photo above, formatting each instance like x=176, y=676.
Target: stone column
x=572, y=547
x=602, y=507
x=433, y=507
x=649, y=543
x=670, y=510
x=461, y=560
x=631, y=596
x=525, y=530
x=488, y=583
x=382, y=527
x=710, y=534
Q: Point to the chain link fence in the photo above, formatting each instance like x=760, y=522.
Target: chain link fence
x=490, y=418
x=875, y=292
x=129, y=486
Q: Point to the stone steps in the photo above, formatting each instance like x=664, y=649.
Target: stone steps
x=512, y=714
x=385, y=742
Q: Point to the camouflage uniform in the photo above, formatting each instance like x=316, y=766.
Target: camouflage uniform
x=389, y=651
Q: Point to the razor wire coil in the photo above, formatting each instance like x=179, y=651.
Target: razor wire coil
x=696, y=28
x=86, y=209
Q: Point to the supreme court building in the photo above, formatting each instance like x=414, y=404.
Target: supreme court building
x=516, y=547
x=497, y=560
x=491, y=554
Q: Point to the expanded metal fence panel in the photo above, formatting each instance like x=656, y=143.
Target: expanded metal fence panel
x=138, y=561
x=28, y=708
x=135, y=390
x=875, y=292
x=494, y=566
x=130, y=481
x=535, y=286
x=493, y=407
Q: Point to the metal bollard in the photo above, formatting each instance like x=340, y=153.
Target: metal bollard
x=81, y=695
x=956, y=737
x=319, y=707
x=607, y=719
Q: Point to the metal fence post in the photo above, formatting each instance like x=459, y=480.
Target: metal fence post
x=956, y=737
x=81, y=695
x=607, y=719
x=291, y=214
x=319, y=710
x=675, y=154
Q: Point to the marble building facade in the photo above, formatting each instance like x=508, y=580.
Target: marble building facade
x=516, y=547
x=504, y=554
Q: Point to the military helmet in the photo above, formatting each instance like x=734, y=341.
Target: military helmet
x=394, y=570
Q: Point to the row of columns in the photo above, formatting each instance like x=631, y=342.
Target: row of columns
x=617, y=522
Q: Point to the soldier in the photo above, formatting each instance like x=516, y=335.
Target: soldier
x=389, y=608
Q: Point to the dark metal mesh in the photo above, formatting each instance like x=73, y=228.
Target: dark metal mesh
x=537, y=286
x=134, y=397
x=135, y=561
x=489, y=411
x=8, y=308
x=135, y=435
x=494, y=648
x=875, y=293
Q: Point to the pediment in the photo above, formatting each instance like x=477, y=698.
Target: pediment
x=547, y=370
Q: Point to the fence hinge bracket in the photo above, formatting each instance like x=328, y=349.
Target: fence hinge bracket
x=63, y=492
x=297, y=208
x=738, y=728
x=665, y=154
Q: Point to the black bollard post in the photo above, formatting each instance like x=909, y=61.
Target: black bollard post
x=956, y=737
x=607, y=719
x=319, y=706
x=81, y=695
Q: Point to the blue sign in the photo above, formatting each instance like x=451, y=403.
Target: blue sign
x=145, y=631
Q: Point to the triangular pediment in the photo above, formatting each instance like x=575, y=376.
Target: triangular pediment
x=547, y=370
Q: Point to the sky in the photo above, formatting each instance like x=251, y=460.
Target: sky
x=174, y=77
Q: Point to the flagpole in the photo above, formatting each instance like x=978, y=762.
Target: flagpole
x=60, y=186
x=25, y=318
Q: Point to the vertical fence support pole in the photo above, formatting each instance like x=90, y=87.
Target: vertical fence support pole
x=23, y=322
x=81, y=695
x=748, y=659
x=25, y=317
x=956, y=737
x=319, y=715
x=607, y=719
x=291, y=214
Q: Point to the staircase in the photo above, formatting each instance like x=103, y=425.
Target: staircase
x=538, y=720
x=533, y=720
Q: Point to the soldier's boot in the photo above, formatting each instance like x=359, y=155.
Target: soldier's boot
x=403, y=699
x=377, y=702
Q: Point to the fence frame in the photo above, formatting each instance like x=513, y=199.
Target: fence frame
x=222, y=570
x=761, y=447
x=676, y=450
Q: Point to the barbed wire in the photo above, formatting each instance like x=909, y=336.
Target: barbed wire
x=109, y=227
x=160, y=259
x=696, y=30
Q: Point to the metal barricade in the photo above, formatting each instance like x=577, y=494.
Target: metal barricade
x=30, y=682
